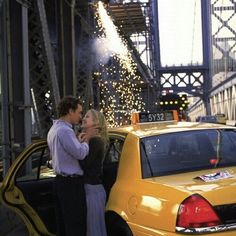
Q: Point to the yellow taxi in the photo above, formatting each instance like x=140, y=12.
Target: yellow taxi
x=162, y=177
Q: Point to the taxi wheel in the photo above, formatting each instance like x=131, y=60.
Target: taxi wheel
x=116, y=226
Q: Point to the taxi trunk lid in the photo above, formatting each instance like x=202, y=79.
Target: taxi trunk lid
x=217, y=186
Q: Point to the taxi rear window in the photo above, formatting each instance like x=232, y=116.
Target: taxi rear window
x=181, y=152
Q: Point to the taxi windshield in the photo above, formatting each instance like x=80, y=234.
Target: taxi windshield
x=181, y=152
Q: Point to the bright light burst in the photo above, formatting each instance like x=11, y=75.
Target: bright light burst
x=119, y=82
x=115, y=43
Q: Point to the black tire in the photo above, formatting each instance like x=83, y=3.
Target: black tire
x=116, y=226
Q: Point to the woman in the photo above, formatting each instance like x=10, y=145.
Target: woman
x=94, y=123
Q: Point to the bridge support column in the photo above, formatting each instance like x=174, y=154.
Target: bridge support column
x=207, y=52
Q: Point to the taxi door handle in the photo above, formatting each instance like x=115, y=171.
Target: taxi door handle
x=43, y=194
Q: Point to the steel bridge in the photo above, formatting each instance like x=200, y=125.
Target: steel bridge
x=47, y=51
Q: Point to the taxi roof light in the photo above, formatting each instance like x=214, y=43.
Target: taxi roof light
x=196, y=212
x=134, y=118
x=150, y=117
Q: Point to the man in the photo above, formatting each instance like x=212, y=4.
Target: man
x=66, y=151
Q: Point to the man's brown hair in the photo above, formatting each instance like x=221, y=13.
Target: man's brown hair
x=67, y=103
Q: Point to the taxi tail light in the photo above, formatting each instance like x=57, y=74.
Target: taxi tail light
x=196, y=212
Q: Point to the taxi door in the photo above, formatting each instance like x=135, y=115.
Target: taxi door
x=27, y=189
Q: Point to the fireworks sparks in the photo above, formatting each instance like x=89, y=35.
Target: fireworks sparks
x=119, y=83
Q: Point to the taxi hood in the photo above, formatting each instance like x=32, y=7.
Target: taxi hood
x=210, y=183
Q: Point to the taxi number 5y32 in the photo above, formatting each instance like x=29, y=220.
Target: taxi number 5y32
x=152, y=117
x=155, y=116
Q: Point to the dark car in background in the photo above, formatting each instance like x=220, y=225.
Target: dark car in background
x=207, y=119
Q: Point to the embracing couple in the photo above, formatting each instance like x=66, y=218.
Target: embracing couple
x=77, y=162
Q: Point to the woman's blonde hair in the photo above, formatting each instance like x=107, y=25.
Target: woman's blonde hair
x=101, y=123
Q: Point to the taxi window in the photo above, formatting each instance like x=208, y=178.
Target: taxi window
x=187, y=151
x=114, y=150
x=111, y=163
x=36, y=167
